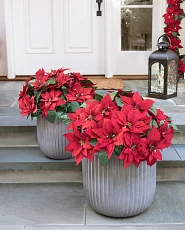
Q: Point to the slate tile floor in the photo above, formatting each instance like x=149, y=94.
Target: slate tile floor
x=63, y=206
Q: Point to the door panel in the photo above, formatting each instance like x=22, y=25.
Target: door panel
x=35, y=25
x=78, y=32
x=58, y=33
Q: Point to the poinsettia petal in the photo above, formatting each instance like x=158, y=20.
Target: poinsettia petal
x=145, y=104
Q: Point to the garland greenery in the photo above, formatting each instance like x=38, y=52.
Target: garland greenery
x=172, y=18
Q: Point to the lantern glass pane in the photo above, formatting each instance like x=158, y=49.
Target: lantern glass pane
x=157, y=78
x=136, y=2
x=172, y=77
x=136, y=29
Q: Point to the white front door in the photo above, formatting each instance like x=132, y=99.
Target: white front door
x=137, y=24
x=57, y=33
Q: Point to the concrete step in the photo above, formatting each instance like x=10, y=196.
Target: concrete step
x=9, y=116
x=22, y=161
x=63, y=206
x=31, y=158
x=29, y=165
x=22, y=136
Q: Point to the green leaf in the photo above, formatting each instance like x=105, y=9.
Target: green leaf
x=37, y=96
x=103, y=158
x=52, y=115
x=181, y=17
x=169, y=118
x=176, y=16
x=93, y=142
x=63, y=117
x=174, y=34
x=51, y=81
x=118, y=150
x=86, y=82
x=161, y=123
x=153, y=110
x=83, y=105
x=64, y=90
x=73, y=106
x=119, y=101
x=182, y=56
x=32, y=80
x=36, y=114
x=173, y=126
x=98, y=96
x=154, y=123
x=113, y=94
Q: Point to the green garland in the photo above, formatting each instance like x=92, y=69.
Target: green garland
x=173, y=17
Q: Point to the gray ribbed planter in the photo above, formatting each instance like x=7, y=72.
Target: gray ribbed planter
x=51, y=140
x=117, y=192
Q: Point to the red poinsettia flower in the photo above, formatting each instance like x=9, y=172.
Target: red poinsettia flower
x=75, y=118
x=62, y=79
x=124, y=128
x=77, y=76
x=109, y=136
x=40, y=81
x=181, y=68
x=160, y=116
x=137, y=102
x=107, y=105
x=176, y=42
x=132, y=152
x=154, y=143
x=79, y=144
x=87, y=117
x=173, y=2
x=166, y=133
x=27, y=105
x=50, y=100
x=79, y=93
x=131, y=119
x=23, y=92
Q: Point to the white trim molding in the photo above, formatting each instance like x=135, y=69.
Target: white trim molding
x=9, y=38
x=108, y=39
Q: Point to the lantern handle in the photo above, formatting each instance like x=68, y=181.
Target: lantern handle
x=164, y=35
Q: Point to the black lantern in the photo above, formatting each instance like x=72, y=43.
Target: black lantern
x=163, y=71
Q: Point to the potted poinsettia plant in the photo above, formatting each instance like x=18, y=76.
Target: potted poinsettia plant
x=49, y=96
x=124, y=133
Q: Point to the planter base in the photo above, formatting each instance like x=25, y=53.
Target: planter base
x=117, y=192
x=51, y=140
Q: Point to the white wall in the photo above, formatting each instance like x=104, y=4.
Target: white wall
x=3, y=57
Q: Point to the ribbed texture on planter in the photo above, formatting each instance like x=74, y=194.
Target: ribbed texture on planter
x=51, y=140
x=117, y=192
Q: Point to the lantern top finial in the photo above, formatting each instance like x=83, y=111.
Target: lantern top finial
x=163, y=44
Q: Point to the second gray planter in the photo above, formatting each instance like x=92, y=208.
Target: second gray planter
x=118, y=192
x=51, y=140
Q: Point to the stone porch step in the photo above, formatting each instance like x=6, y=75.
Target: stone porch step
x=21, y=159
x=22, y=136
x=9, y=116
x=29, y=165
x=63, y=206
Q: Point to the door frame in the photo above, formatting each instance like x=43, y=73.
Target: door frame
x=9, y=38
x=108, y=42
